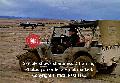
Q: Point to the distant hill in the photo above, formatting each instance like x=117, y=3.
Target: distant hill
x=17, y=17
x=10, y=17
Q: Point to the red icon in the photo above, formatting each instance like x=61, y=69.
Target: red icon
x=33, y=40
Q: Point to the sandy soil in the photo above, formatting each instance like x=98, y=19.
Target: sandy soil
x=12, y=41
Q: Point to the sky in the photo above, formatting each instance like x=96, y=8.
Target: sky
x=62, y=9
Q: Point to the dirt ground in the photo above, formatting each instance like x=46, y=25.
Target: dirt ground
x=12, y=41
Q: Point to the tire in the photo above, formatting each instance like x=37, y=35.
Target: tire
x=26, y=62
x=85, y=62
x=32, y=27
x=107, y=69
x=24, y=27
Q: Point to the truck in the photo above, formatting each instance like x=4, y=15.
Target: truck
x=101, y=55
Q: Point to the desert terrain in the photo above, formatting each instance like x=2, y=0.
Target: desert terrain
x=12, y=40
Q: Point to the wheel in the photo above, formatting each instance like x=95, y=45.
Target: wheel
x=29, y=61
x=85, y=67
x=107, y=69
x=32, y=27
x=24, y=27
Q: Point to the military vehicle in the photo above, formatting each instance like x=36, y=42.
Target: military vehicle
x=83, y=61
x=33, y=25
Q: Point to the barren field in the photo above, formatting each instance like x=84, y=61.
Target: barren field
x=12, y=41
